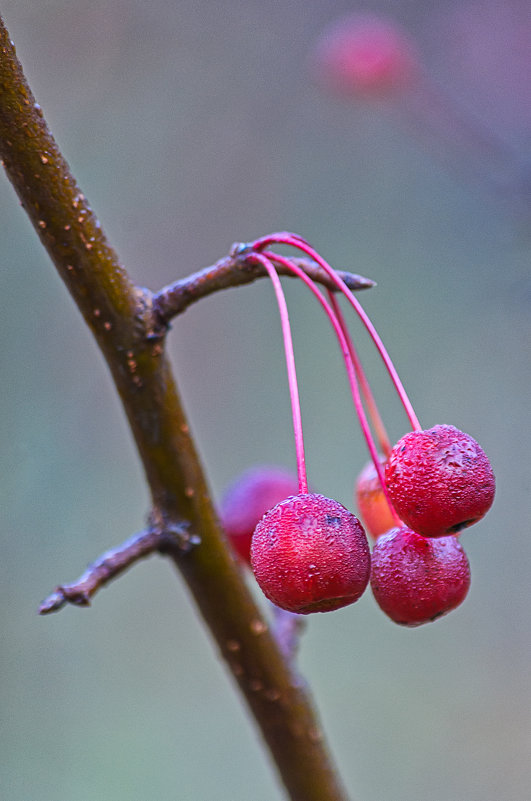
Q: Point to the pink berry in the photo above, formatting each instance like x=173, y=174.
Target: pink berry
x=310, y=554
x=439, y=481
x=248, y=498
x=414, y=579
x=374, y=510
x=365, y=54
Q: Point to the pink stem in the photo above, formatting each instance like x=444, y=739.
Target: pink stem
x=296, y=242
x=290, y=366
x=356, y=397
x=374, y=414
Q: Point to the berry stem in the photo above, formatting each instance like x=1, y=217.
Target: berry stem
x=349, y=364
x=290, y=366
x=299, y=243
x=370, y=402
x=287, y=628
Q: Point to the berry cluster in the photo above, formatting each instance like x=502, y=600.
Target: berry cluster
x=308, y=552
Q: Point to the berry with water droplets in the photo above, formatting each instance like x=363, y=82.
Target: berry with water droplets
x=245, y=501
x=439, y=481
x=416, y=579
x=374, y=510
x=310, y=554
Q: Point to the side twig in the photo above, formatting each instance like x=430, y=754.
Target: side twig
x=114, y=562
x=236, y=270
x=99, y=573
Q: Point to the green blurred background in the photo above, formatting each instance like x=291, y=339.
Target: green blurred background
x=190, y=125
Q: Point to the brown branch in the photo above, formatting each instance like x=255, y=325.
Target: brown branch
x=58, y=209
x=114, y=562
x=236, y=270
x=106, y=567
x=120, y=317
x=286, y=628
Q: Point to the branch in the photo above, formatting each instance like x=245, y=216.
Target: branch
x=57, y=208
x=111, y=563
x=235, y=270
x=120, y=317
x=287, y=626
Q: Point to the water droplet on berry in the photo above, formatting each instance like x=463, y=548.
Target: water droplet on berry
x=439, y=480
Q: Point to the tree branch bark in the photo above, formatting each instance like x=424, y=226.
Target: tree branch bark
x=236, y=270
x=120, y=316
x=114, y=562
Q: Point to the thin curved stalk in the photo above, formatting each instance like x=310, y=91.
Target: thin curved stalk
x=290, y=366
x=284, y=238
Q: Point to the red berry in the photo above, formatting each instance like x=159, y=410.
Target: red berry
x=415, y=579
x=439, y=481
x=365, y=54
x=372, y=504
x=310, y=554
x=248, y=498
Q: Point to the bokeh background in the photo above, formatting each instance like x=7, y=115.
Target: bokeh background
x=190, y=125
